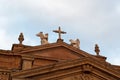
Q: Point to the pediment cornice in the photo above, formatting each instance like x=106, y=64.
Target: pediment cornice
x=67, y=65
x=51, y=46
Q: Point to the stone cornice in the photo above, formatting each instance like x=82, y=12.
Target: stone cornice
x=66, y=65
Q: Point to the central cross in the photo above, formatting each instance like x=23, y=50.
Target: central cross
x=59, y=32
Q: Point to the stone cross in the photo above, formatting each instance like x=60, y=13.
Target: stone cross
x=59, y=31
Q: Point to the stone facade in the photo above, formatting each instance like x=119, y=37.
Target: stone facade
x=54, y=61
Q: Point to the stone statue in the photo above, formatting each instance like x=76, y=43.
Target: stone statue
x=44, y=38
x=75, y=43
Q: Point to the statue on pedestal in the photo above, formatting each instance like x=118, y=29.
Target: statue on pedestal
x=75, y=43
x=43, y=37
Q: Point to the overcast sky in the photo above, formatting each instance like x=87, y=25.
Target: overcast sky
x=92, y=21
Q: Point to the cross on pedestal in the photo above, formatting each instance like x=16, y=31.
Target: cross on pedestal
x=59, y=31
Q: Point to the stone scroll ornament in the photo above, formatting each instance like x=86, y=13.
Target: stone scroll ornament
x=43, y=37
x=75, y=43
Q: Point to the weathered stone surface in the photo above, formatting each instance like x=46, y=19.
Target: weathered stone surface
x=10, y=62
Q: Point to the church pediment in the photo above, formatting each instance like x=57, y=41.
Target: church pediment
x=80, y=69
x=60, y=51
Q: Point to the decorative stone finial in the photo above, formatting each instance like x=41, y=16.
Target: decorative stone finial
x=59, y=31
x=43, y=37
x=97, y=49
x=21, y=38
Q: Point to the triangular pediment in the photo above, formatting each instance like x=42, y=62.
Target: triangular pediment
x=60, y=51
x=71, y=70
